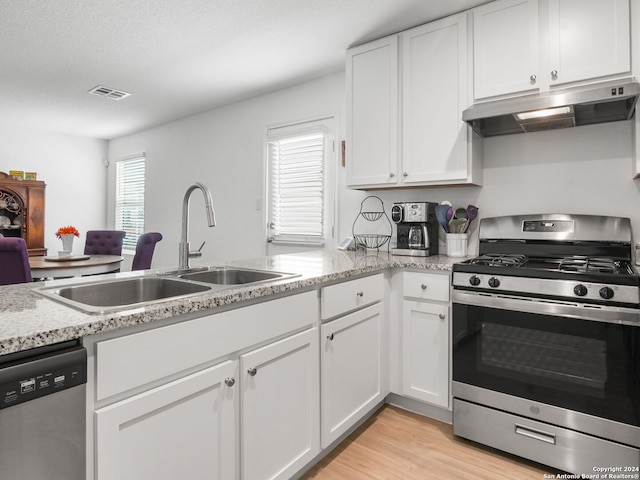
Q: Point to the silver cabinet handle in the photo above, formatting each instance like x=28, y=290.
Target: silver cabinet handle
x=533, y=78
x=554, y=74
x=441, y=316
x=360, y=294
x=405, y=174
x=423, y=286
x=252, y=371
x=535, y=434
x=330, y=336
x=230, y=381
x=392, y=174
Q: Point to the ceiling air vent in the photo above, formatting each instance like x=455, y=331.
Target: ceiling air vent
x=108, y=92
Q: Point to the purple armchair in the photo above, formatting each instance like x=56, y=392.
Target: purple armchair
x=144, y=250
x=104, y=242
x=14, y=261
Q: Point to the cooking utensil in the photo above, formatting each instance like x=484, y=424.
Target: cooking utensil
x=460, y=213
x=449, y=214
x=472, y=213
x=441, y=215
x=456, y=224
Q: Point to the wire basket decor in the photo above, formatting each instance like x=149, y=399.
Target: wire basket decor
x=370, y=240
x=372, y=216
x=374, y=230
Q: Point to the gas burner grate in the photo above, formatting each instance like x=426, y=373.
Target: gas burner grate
x=589, y=264
x=500, y=260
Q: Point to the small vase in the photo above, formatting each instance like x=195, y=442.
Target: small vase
x=67, y=243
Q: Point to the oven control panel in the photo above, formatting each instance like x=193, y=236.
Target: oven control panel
x=568, y=289
x=554, y=226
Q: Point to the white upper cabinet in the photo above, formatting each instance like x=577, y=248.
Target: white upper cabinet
x=588, y=39
x=525, y=46
x=372, y=112
x=505, y=47
x=436, y=147
x=434, y=94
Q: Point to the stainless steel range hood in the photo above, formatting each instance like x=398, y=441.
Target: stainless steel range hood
x=585, y=105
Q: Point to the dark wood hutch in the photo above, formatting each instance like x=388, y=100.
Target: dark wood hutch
x=22, y=211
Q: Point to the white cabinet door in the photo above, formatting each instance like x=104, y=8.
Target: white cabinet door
x=280, y=411
x=505, y=47
x=588, y=39
x=425, y=352
x=434, y=94
x=351, y=351
x=184, y=429
x=372, y=113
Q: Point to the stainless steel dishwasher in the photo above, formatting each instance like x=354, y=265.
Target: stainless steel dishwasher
x=42, y=413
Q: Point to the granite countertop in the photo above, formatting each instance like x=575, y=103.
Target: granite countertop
x=28, y=320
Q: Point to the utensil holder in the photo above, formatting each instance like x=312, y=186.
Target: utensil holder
x=457, y=244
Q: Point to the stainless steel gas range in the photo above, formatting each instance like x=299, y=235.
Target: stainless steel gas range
x=546, y=342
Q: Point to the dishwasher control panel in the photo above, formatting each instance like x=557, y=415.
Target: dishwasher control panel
x=25, y=377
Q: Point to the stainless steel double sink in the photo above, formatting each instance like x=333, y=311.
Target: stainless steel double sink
x=126, y=293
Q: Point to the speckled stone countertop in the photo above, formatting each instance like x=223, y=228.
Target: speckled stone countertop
x=28, y=320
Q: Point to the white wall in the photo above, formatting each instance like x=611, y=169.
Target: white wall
x=224, y=149
x=580, y=170
x=71, y=166
x=584, y=170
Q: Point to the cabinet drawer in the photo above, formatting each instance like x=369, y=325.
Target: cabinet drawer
x=351, y=295
x=426, y=286
x=554, y=446
x=134, y=360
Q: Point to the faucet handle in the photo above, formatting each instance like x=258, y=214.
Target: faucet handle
x=198, y=252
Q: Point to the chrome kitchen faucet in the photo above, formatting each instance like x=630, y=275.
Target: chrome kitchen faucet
x=185, y=254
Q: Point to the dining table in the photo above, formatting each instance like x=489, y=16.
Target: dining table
x=43, y=267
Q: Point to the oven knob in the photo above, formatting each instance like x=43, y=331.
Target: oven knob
x=580, y=290
x=474, y=280
x=494, y=282
x=606, y=293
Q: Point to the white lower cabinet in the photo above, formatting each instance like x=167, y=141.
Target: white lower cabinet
x=425, y=338
x=351, y=352
x=165, y=408
x=184, y=429
x=280, y=421
x=282, y=389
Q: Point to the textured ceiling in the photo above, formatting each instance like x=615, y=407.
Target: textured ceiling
x=176, y=57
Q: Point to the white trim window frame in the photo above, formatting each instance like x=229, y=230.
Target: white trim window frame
x=129, y=199
x=300, y=183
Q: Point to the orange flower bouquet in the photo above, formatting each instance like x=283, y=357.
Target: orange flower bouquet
x=68, y=230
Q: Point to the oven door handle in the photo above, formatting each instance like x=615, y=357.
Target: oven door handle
x=535, y=434
x=558, y=308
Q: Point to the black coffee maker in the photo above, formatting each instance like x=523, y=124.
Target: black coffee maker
x=416, y=229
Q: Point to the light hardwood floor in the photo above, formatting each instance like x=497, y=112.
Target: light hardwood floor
x=396, y=444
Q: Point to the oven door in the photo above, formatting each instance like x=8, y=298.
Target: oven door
x=549, y=354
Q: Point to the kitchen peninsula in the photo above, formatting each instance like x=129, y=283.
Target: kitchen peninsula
x=314, y=350
x=28, y=320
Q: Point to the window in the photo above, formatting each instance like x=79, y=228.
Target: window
x=300, y=207
x=130, y=199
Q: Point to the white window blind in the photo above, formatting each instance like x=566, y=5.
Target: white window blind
x=297, y=188
x=130, y=199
